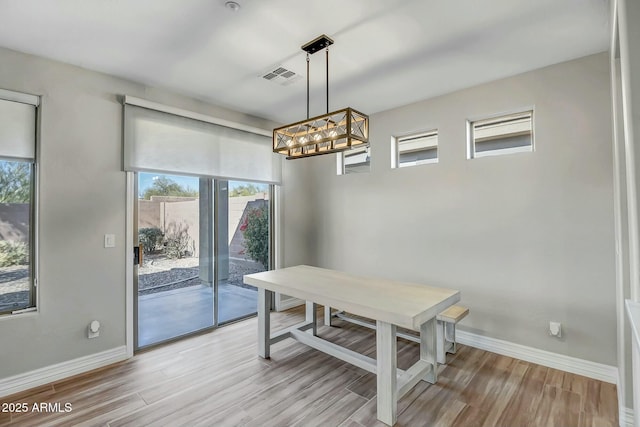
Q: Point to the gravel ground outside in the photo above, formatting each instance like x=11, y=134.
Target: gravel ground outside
x=14, y=287
x=159, y=274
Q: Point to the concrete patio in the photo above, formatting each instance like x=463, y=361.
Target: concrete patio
x=169, y=314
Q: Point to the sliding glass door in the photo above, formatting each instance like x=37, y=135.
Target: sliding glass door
x=196, y=238
x=190, y=272
x=243, y=232
x=175, y=272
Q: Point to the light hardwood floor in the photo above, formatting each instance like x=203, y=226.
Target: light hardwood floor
x=217, y=379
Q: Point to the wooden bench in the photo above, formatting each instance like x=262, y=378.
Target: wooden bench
x=446, y=330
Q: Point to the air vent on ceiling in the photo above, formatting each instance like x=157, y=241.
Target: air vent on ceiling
x=281, y=76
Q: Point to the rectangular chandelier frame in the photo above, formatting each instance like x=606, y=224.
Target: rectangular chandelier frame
x=329, y=133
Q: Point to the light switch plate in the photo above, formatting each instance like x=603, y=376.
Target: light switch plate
x=109, y=240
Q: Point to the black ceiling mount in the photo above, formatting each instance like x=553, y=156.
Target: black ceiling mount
x=317, y=44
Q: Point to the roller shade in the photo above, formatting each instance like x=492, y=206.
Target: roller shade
x=165, y=142
x=17, y=128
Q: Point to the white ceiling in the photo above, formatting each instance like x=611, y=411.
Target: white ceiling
x=387, y=53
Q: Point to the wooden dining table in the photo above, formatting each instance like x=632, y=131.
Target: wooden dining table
x=390, y=303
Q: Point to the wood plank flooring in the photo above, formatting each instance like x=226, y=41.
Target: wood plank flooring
x=217, y=379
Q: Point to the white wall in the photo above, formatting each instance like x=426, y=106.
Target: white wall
x=82, y=197
x=527, y=238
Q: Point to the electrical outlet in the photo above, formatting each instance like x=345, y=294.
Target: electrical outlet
x=93, y=330
x=555, y=329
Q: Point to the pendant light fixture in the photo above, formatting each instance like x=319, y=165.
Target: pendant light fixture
x=329, y=133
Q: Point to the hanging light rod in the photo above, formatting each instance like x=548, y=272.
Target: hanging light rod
x=329, y=133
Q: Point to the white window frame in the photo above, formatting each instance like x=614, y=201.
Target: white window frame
x=396, y=151
x=471, y=138
x=341, y=163
x=33, y=100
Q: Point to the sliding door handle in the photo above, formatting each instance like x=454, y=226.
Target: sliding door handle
x=138, y=254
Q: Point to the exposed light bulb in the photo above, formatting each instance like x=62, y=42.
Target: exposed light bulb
x=316, y=137
x=302, y=139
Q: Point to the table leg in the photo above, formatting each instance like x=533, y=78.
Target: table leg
x=386, y=372
x=327, y=316
x=440, y=350
x=428, y=346
x=264, y=323
x=311, y=314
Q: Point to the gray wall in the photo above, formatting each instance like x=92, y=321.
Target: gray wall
x=82, y=197
x=527, y=237
x=296, y=230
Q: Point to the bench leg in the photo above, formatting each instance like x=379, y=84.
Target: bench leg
x=450, y=336
x=327, y=316
x=311, y=314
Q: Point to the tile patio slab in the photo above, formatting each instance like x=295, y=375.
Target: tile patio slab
x=169, y=314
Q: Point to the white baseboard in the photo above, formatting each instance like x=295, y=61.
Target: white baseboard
x=48, y=374
x=574, y=365
x=625, y=417
x=570, y=364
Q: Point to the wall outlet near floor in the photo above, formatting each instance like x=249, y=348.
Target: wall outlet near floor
x=555, y=329
x=93, y=330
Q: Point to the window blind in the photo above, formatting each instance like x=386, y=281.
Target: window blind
x=159, y=141
x=17, y=126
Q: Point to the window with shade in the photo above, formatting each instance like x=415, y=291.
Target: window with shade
x=356, y=160
x=507, y=134
x=17, y=204
x=416, y=149
x=206, y=199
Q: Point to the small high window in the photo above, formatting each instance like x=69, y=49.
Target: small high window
x=512, y=133
x=356, y=160
x=416, y=149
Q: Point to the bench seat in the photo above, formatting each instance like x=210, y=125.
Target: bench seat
x=446, y=330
